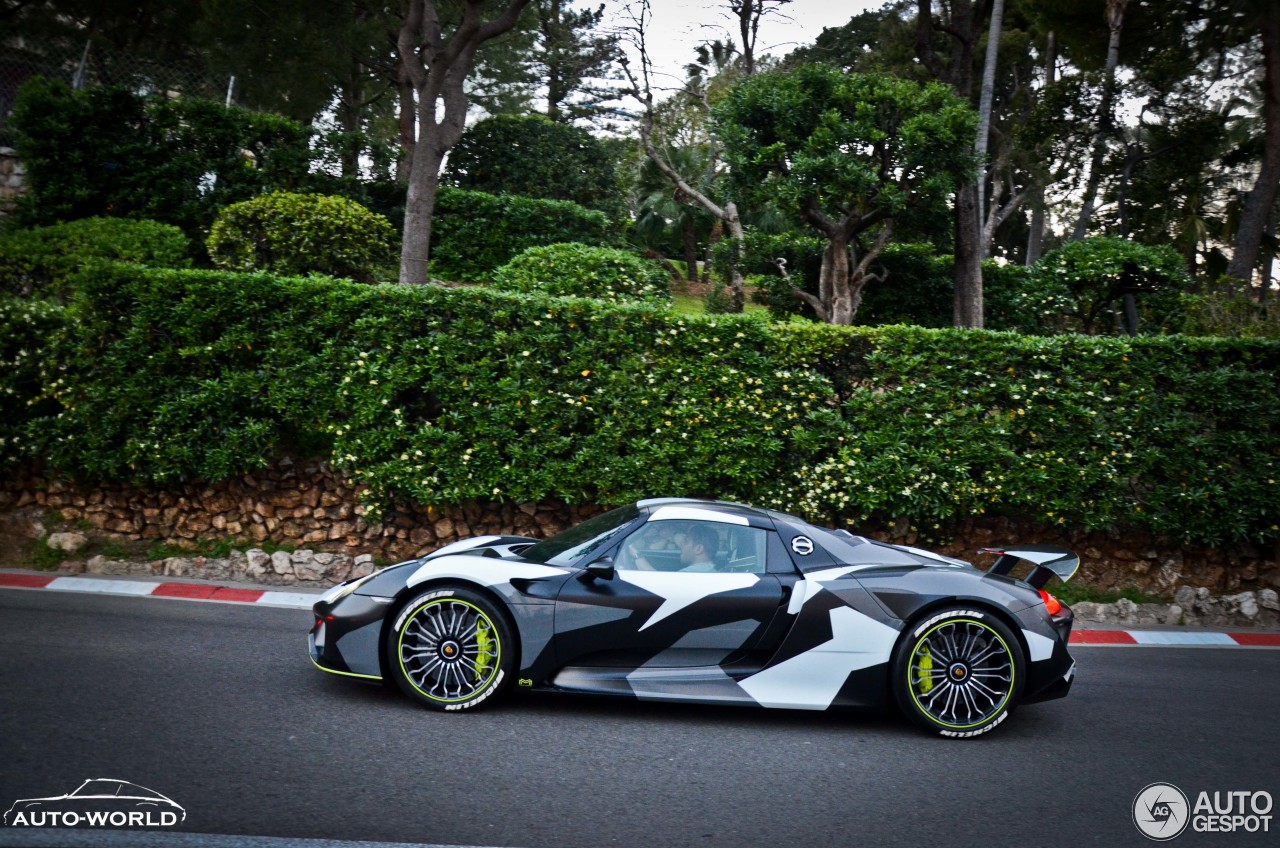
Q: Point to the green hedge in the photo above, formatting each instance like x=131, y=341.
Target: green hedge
x=39, y=260
x=474, y=233
x=433, y=395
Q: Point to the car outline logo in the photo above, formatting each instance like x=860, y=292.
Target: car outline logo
x=152, y=800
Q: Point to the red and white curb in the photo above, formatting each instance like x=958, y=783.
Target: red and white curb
x=1175, y=638
x=183, y=591
x=305, y=600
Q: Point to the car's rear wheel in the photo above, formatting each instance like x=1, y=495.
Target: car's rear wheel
x=451, y=648
x=959, y=672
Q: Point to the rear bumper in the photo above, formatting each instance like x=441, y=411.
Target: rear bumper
x=1051, y=670
x=1056, y=689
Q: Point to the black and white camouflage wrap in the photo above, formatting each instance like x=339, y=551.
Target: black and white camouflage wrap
x=814, y=629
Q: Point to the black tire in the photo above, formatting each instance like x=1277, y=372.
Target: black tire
x=451, y=648
x=958, y=672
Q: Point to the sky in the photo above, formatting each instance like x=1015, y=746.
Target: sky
x=679, y=26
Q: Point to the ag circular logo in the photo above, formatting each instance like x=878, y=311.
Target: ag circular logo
x=802, y=545
x=1160, y=811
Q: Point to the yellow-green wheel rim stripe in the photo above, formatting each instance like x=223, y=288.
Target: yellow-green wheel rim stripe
x=994, y=711
x=482, y=616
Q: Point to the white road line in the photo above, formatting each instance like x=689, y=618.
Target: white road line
x=61, y=837
x=109, y=587
x=288, y=599
x=1166, y=637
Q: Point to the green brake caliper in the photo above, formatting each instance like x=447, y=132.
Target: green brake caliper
x=924, y=669
x=484, y=644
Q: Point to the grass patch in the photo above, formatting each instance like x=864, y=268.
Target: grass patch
x=45, y=558
x=692, y=304
x=1074, y=593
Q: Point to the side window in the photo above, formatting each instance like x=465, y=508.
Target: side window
x=694, y=546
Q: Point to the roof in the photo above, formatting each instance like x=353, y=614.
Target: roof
x=727, y=507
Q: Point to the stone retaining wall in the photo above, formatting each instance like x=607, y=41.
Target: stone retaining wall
x=298, y=504
x=308, y=505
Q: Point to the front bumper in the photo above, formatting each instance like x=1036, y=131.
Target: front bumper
x=346, y=637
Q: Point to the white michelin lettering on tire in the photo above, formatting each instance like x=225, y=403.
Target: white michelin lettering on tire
x=957, y=734
x=492, y=687
x=919, y=631
x=410, y=609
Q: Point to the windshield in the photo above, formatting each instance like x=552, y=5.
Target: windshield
x=577, y=545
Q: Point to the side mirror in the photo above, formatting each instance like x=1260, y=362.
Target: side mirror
x=601, y=569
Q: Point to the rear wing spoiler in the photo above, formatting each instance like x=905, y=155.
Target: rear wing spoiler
x=1049, y=560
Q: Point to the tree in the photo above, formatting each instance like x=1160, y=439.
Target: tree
x=573, y=57
x=849, y=154
x=641, y=88
x=436, y=66
x=748, y=14
x=1106, y=115
x=533, y=156
x=1260, y=202
x=953, y=63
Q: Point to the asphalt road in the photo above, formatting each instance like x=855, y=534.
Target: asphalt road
x=218, y=707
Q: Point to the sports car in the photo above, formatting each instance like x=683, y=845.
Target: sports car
x=708, y=601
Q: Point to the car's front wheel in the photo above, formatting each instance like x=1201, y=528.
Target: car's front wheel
x=959, y=672
x=451, y=648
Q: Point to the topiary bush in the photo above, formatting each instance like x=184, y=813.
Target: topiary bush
x=580, y=270
x=473, y=233
x=533, y=156
x=38, y=261
x=289, y=233
x=1079, y=288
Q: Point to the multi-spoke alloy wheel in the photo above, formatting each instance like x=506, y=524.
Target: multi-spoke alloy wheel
x=958, y=673
x=450, y=649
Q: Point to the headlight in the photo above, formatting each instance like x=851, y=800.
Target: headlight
x=344, y=589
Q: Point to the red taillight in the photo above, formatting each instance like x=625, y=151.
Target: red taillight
x=1052, y=604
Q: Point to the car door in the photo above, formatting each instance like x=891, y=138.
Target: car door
x=655, y=613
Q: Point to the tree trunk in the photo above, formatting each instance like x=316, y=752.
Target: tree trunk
x=963, y=28
x=689, y=235
x=1035, y=238
x=408, y=111
x=967, y=310
x=1115, y=23
x=834, y=279
x=717, y=233
x=1268, y=260
x=419, y=211
x=436, y=69
x=349, y=104
x=984, y=102
x=1259, y=201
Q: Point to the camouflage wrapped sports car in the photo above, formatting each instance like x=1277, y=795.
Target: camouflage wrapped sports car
x=707, y=601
